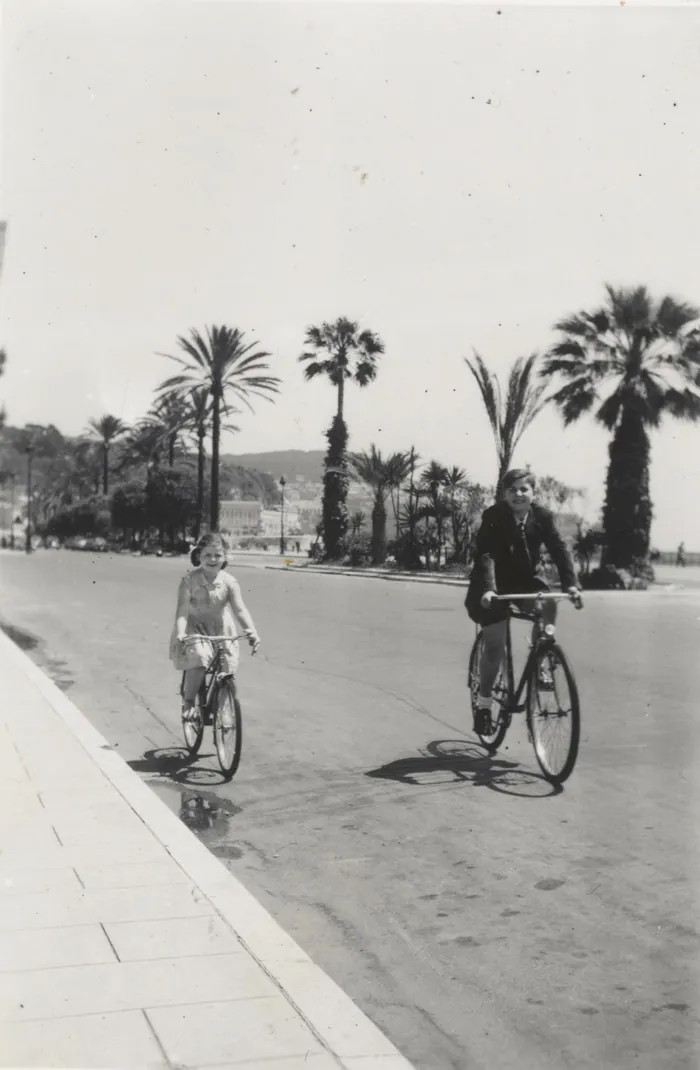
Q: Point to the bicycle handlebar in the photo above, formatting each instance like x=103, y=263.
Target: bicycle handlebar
x=539, y=596
x=217, y=638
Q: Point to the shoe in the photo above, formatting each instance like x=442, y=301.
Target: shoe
x=191, y=715
x=545, y=679
x=482, y=721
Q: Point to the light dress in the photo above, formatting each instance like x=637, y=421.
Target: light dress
x=209, y=613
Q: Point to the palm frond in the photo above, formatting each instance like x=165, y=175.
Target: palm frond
x=488, y=386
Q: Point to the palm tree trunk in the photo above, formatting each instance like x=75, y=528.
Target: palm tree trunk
x=503, y=466
x=341, y=396
x=171, y=451
x=379, y=528
x=215, y=436
x=105, y=468
x=201, y=431
x=627, y=512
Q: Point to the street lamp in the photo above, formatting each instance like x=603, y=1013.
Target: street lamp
x=28, y=540
x=283, y=483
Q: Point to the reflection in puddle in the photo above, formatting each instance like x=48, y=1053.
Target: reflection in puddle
x=206, y=814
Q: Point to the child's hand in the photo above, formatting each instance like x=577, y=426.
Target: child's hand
x=254, y=640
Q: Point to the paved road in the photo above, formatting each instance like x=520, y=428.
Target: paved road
x=478, y=919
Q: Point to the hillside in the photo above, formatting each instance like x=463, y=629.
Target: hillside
x=287, y=463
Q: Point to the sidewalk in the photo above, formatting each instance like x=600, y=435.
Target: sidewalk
x=124, y=942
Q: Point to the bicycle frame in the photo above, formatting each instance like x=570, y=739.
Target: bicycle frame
x=213, y=669
x=539, y=638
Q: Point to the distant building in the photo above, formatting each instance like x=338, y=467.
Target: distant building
x=240, y=518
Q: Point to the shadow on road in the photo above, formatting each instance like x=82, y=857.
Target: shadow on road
x=449, y=761
x=174, y=763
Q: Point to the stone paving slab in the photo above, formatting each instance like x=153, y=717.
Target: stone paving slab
x=123, y=941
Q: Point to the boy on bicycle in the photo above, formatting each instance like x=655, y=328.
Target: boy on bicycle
x=507, y=560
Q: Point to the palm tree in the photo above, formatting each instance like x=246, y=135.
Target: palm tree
x=630, y=361
x=455, y=482
x=432, y=485
x=510, y=416
x=171, y=412
x=371, y=469
x=343, y=352
x=3, y=361
x=142, y=445
x=398, y=468
x=357, y=521
x=198, y=415
x=107, y=428
x=222, y=363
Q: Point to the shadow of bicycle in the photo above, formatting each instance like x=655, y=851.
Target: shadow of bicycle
x=176, y=765
x=449, y=761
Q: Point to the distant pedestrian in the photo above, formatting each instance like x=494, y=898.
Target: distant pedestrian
x=680, y=555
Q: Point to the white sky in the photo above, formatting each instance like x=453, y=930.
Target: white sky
x=450, y=176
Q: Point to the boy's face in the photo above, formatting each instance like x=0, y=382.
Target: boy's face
x=519, y=496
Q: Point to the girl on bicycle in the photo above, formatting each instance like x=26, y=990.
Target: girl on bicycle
x=209, y=602
x=507, y=560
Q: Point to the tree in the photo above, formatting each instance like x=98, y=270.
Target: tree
x=510, y=416
x=142, y=446
x=631, y=362
x=398, y=468
x=371, y=469
x=357, y=521
x=224, y=364
x=107, y=428
x=335, y=490
x=170, y=411
x=432, y=487
x=456, y=482
x=555, y=495
x=342, y=352
x=3, y=361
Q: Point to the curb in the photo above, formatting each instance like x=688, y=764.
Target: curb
x=364, y=574
x=655, y=589
x=338, y=1024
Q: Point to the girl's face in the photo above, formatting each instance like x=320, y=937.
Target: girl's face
x=212, y=558
x=519, y=496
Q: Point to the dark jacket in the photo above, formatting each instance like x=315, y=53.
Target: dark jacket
x=502, y=563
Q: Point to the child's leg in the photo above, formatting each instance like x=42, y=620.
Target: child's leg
x=193, y=682
x=492, y=656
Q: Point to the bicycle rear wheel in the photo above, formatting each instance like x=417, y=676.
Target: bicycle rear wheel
x=553, y=713
x=193, y=730
x=501, y=719
x=228, y=727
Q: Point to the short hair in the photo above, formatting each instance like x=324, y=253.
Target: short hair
x=514, y=474
x=211, y=538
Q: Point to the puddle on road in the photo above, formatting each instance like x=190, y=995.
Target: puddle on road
x=204, y=813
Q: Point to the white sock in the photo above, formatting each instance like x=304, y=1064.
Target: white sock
x=483, y=702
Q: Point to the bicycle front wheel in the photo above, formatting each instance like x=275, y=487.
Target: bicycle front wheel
x=228, y=727
x=500, y=718
x=553, y=713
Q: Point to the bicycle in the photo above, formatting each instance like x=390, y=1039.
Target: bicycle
x=551, y=696
x=217, y=704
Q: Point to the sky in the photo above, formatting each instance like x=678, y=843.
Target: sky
x=454, y=177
